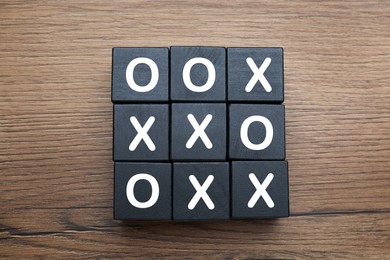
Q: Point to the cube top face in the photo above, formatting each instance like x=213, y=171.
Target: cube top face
x=255, y=74
x=190, y=119
x=143, y=191
x=141, y=132
x=198, y=74
x=191, y=180
x=256, y=132
x=140, y=75
x=260, y=189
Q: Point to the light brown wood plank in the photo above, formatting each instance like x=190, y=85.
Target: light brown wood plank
x=92, y=232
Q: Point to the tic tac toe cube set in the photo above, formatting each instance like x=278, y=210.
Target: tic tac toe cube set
x=199, y=133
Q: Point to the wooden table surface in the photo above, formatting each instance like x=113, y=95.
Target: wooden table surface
x=56, y=186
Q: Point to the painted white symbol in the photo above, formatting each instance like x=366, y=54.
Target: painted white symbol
x=261, y=190
x=187, y=70
x=201, y=192
x=258, y=74
x=130, y=191
x=142, y=133
x=199, y=131
x=130, y=74
x=269, y=133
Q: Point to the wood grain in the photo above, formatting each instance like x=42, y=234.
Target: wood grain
x=56, y=171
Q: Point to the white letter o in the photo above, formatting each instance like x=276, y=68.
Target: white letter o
x=130, y=190
x=269, y=133
x=187, y=70
x=130, y=74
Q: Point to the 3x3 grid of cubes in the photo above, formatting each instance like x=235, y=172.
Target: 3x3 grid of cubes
x=199, y=133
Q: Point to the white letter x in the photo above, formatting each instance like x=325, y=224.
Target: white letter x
x=142, y=133
x=199, y=131
x=258, y=74
x=261, y=190
x=201, y=192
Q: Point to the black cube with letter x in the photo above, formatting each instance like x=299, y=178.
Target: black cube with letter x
x=199, y=133
x=260, y=189
x=255, y=74
x=141, y=132
x=201, y=191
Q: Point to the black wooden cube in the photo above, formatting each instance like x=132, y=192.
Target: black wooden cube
x=143, y=191
x=198, y=132
x=256, y=132
x=201, y=191
x=260, y=189
x=255, y=74
x=140, y=75
x=198, y=73
x=141, y=132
